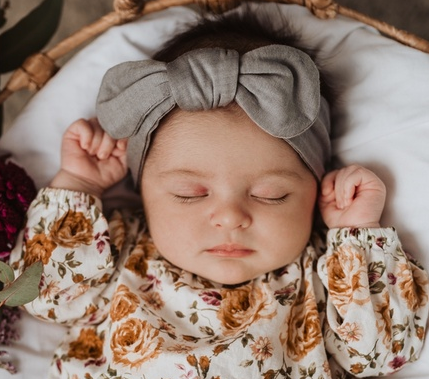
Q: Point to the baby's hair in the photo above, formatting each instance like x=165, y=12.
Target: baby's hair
x=241, y=31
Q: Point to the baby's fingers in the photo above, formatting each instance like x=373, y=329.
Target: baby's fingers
x=327, y=188
x=80, y=133
x=93, y=140
x=121, y=144
x=86, y=133
x=106, y=147
x=79, y=129
x=348, y=181
x=101, y=145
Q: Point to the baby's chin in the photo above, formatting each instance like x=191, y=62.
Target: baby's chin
x=231, y=276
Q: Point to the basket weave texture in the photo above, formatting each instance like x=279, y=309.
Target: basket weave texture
x=39, y=68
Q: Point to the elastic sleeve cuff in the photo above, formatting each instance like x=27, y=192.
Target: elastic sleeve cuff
x=76, y=200
x=364, y=237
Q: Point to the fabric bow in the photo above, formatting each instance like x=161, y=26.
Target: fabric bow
x=277, y=86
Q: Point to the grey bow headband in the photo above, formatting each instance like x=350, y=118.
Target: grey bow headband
x=276, y=85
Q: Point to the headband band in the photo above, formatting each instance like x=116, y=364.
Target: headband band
x=276, y=85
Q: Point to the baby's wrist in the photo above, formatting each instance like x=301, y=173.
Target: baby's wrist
x=353, y=224
x=367, y=225
x=360, y=226
x=67, y=180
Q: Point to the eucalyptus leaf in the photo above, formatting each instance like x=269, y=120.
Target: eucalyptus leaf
x=25, y=288
x=29, y=35
x=6, y=273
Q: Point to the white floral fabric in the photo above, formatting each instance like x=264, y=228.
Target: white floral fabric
x=356, y=306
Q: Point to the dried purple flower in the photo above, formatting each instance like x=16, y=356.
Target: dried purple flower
x=8, y=366
x=17, y=190
x=8, y=317
x=8, y=334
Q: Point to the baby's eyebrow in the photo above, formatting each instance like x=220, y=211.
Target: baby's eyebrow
x=280, y=173
x=185, y=172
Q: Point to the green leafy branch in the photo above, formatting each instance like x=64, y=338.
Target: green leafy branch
x=21, y=290
x=27, y=36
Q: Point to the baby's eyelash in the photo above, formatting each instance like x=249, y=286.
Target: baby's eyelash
x=187, y=199
x=269, y=200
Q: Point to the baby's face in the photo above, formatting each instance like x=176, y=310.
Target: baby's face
x=224, y=199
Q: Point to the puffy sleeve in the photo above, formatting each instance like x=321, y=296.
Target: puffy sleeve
x=68, y=233
x=377, y=301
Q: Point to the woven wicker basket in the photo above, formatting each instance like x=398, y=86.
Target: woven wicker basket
x=40, y=67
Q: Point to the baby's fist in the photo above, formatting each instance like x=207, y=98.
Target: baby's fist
x=91, y=161
x=352, y=197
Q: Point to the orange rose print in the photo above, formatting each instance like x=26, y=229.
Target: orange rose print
x=90, y=310
x=137, y=261
x=420, y=332
x=88, y=345
x=241, y=307
x=346, y=271
x=357, y=368
x=303, y=333
x=397, y=346
x=124, y=302
x=148, y=246
x=384, y=326
x=117, y=230
x=135, y=342
x=153, y=300
x=39, y=248
x=412, y=284
x=72, y=229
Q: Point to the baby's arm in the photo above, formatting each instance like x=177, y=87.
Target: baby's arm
x=68, y=233
x=66, y=230
x=377, y=297
x=91, y=161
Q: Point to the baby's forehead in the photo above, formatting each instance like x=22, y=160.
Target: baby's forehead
x=176, y=121
x=198, y=133
x=212, y=127
x=232, y=110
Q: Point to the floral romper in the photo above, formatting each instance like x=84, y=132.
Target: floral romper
x=356, y=306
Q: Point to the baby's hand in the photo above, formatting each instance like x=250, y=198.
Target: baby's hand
x=352, y=197
x=91, y=161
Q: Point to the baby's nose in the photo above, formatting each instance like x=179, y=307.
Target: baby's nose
x=230, y=215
